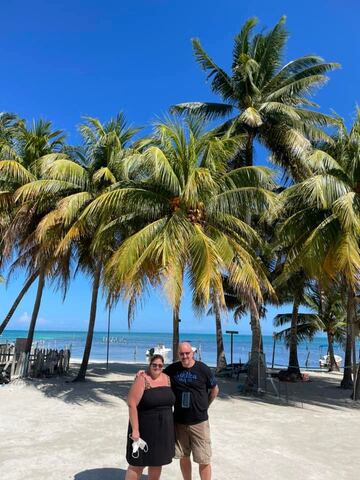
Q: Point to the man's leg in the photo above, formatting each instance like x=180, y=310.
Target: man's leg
x=185, y=467
x=205, y=471
x=183, y=449
x=201, y=448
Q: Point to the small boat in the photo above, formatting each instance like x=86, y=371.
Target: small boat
x=160, y=349
x=324, y=361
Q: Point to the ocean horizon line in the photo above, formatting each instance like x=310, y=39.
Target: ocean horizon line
x=142, y=332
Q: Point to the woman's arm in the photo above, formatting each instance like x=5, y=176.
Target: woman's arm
x=134, y=397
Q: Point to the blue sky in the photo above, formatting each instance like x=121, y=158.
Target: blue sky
x=65, y=59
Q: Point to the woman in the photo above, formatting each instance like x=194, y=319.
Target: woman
x=150, y=402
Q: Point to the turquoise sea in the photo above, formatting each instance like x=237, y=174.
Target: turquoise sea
x=132, y=346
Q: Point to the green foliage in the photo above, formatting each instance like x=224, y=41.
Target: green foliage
x=270, y=100
x=328, y=315
x=187, y=201
x=189, y=216
x=321, y=215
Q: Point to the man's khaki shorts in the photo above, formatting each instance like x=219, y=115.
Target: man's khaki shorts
x=193, y=439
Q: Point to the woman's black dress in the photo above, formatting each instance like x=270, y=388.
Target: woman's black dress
x=156, y=426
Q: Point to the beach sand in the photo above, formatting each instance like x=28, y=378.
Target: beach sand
x=54, y=430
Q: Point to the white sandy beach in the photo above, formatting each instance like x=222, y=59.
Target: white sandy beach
x=55, y=430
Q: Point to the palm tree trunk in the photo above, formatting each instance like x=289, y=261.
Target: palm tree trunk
x=353, y=344
x=18, y=299
x=256, y=339
x=95, y=291
x=35, y=312
x=176, y=321
x=333, y=365
x=220, y=352
x=356, y=395
x=293, y=366
x=256, y=375
x=347, y=381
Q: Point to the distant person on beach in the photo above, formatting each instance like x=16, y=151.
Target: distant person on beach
x=150, y=402
x=195, y=388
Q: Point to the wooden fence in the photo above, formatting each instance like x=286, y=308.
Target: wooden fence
x=41, y=362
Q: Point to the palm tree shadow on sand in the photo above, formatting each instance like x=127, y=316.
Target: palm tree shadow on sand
x=104, y=474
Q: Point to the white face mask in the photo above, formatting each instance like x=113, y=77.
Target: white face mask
x=139, y=445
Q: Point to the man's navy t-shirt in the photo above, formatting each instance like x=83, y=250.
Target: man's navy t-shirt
x=195, y=382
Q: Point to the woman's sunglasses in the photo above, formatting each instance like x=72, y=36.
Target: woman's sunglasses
x=157, y=365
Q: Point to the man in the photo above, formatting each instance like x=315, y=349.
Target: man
x=195, y=388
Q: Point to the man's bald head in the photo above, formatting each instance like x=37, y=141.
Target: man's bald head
x=186, y=354
x=184, y=346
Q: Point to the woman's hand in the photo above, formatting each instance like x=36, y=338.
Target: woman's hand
x=135, y=435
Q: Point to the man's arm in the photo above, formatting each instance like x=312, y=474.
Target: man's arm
x=167, y=370
x=214, y=391
x=211, y=384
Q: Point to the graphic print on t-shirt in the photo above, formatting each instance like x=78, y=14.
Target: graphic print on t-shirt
x=185, y=377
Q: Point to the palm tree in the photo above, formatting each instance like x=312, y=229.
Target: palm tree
x=331, y=311
x=323, y=222
x=329, y=316
x=95, y=169
x=30, y=148
x=8, y=129
x=292, y=288
x=307, y=327
x=265, y=100
x=188, y=218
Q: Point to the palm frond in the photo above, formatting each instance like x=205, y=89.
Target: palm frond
x=206, y=110
x=271, y=54
x=38, y=188
x=11, y=170
x=346, y=208
x=251, y=117
x=67, y=171
x=205, y=267
x=104, y=174
x=220, y=82
x=242, y=40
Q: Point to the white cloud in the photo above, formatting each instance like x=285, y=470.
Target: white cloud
x=41, y=322
x=24, y=318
